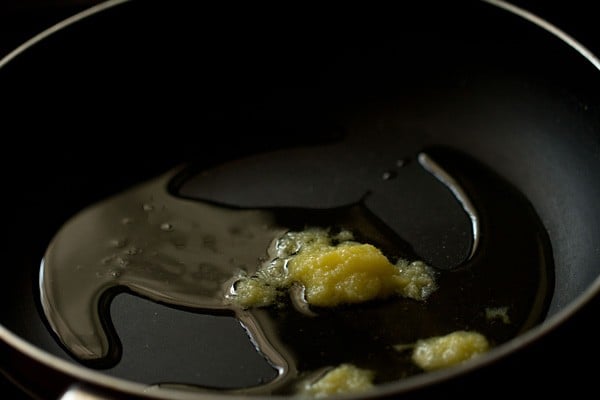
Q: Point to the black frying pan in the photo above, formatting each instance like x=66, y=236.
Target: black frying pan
x=142, y=87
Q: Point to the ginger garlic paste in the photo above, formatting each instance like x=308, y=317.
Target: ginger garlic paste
x=333, y=270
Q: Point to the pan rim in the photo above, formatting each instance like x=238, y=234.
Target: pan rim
x=101, y=380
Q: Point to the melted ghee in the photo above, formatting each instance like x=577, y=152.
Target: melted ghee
x=188, y=254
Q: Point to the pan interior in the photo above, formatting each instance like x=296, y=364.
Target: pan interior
x=186, y=254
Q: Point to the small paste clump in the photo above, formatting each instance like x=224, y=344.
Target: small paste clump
x=333, y=270
x=444, y=351
x=344, y=379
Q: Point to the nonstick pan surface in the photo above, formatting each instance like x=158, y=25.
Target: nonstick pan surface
x=143, y=87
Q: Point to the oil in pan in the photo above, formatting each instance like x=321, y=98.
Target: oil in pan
x=178, y=243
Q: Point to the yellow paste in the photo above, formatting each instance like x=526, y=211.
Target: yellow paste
x=333, y=270
x=445, y=351
x=344, y=379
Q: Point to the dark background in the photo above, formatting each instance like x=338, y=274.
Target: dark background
x=20, y=20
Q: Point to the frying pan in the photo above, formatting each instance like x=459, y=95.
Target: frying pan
x=133, y=89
